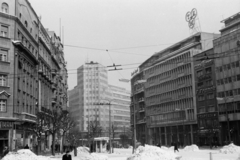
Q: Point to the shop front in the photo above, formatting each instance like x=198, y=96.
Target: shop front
x=5, y=134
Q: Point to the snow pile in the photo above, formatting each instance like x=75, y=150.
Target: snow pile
x=99, y=156
x=231, y=148
x=81, y=150
x=165, y=148
x=152, y=153
x=83, y=154
x=193, y=147
x=25, y=154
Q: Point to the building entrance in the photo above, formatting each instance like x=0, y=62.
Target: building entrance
x=3, y=140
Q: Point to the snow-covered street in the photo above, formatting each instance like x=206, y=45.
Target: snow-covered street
x=230, y=152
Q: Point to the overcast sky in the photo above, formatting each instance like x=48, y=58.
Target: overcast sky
x=114, y=24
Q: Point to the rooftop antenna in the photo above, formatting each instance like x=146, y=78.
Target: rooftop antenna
x=63, y=35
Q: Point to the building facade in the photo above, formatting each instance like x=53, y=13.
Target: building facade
x=120, y=101
x=169, y=91
x=25, y=73
x=227, y=49
x=92, y=88
x=206, y=102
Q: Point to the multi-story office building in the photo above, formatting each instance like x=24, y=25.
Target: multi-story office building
x=120, y=101
x=206, y=102
x=169, y=91
x=92, y=88
x=25, y=72
x=227, y=49
x=137, y=99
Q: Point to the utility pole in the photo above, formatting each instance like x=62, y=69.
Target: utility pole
x=109, y=104
x=229, y=135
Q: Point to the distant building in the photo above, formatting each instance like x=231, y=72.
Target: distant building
x=227, y=49
x=92, y=88
x=120, y=102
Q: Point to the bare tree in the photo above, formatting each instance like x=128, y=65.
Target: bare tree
x=39, y=128
x=95, y=129
x=55, y=125
x=67, y=124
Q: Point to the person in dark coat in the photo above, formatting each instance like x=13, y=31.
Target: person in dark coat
x=176, y=147
x=67, y=156
x=75, y=151
x=26, y=147
x=5, y=151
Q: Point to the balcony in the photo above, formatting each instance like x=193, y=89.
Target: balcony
x=28, y=117
x=54, y=99
x=46, y=110
x=141, y=121
x=40, y=71
x=142, y=109
x=139, y=90
x=141, y=100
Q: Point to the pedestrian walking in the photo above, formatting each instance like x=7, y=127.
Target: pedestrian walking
x=5, y=151
x=67, y=156
x=75, y=151
x=176, y=147
x=26, y=147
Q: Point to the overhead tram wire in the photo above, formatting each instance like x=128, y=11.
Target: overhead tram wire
x=185, y=61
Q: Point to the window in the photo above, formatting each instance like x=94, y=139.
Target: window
x=234, y=78
x=4, y=31
x=201, y=97
x=3, y=105
x=3, y=55
x=211, y=108
x=229, y=66
x=20, y=16
x=229, y=79
x=210, y=96
x=209, y=82
x=220, y=69
x=225, y=80
x=201, y=109
x=199, y=73
x=3, y=80
x=26, y=24
x=237, y=64
x=200, y=84
x=208, y=70
x=238, y=77
x=233, y=65
x=4, y=7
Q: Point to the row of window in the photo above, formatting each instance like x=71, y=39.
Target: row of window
x=170, y=64
x=204, y=109
x=227, y=67
x=175, y=73
x=170, y=106
x=228, y=80
x=207, y=96
x=206, y=71
x=208, y=123
x=174, y=116
x=206, y=83
x=170, y=96
x=228, y=93
x=27, y=44
x=231, y=107
x=169, y=85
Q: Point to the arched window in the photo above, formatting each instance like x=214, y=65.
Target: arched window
x=4, y=7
